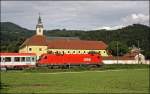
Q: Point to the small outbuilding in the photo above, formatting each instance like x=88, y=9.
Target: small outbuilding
x=133, y=57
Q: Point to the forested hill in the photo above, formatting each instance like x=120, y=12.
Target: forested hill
x=12, y=35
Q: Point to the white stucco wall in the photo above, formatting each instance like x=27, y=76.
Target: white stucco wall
x=125, y=62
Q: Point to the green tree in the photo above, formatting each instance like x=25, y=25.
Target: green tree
x=122, y=48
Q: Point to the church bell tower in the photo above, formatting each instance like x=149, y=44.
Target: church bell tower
x=39, y=27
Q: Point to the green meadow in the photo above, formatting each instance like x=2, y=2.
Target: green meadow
x=104, y=81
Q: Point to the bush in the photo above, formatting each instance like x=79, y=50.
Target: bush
x=86, y=68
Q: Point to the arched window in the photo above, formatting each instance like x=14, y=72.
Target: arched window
x=30, y=49
x=40, y=49
x=63, y=52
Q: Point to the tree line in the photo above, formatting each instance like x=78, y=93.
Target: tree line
x=12, y=36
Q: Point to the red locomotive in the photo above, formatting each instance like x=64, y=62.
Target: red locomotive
x=69, y=59
x=22, y=60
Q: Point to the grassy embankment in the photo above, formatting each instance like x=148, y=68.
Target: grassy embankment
x=129, y=80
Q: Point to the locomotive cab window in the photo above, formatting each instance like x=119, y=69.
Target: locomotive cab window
x=45, y=57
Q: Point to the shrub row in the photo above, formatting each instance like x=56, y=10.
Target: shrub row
x=85, y=68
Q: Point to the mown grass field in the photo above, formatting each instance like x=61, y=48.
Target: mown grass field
x=107, y=81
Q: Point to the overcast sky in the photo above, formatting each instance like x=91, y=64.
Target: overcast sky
x=84, y=15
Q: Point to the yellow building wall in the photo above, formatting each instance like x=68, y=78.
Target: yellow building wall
x=23, y=49
x=38, y=50
x=35, y=49
x=73, y=51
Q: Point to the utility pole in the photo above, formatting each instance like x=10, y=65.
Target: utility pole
x=117, y=52
x=138, y=51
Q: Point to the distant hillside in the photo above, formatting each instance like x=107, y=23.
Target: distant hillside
x=12, y=35
x=8, y=27
x=129, y=35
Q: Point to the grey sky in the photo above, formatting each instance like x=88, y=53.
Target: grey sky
x=85, y=15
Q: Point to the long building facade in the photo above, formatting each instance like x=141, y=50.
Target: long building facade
x=40, y=44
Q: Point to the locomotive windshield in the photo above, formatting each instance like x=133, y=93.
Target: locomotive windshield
x=45, y=57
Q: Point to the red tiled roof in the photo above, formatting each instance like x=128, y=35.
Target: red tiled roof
x=39, y=40
x=131, y=54
x=76, y=44
x=36, y=40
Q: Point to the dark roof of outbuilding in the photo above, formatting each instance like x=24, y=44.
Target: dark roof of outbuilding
x=119, y=58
